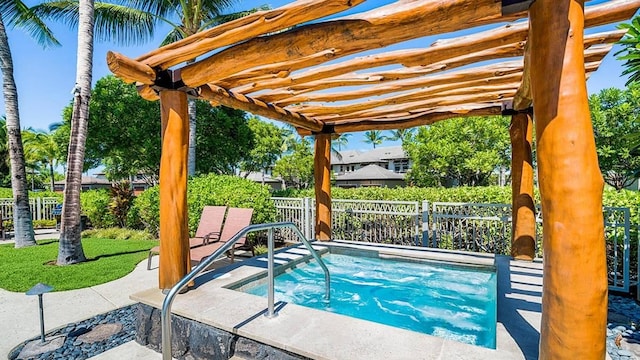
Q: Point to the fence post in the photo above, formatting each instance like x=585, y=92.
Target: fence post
x=425, y=223
x=38, y=208
x=306, y=216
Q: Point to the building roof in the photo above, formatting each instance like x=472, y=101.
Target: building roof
x=371, y=172
x=88, y=180
x=258, y=177
x=381, y=154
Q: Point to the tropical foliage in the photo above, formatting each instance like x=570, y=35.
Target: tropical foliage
x=266, y=147
x=459, y=152
x=296, y=166
x=615, y=112
x=630, y=52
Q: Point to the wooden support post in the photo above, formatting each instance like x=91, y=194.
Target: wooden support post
x=574, y=298
x=174, y=231
x=322, y=176
x=523, y=237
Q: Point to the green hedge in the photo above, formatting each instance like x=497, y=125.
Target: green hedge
x=7, y=193
x=206, y=190
x=478, y=194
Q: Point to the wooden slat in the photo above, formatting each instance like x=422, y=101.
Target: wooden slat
x=507, y=51
x=421, y=119
x=441, y=93
x=438, y=51
x=419, y=106
x=241, y=102
x=290, y=95
x=384, y=26
x=258, y=23
x=484, y=73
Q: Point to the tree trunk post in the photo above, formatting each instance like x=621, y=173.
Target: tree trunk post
x=175, y=261
x=322, y=177
x=574, y=298
x=523, y=235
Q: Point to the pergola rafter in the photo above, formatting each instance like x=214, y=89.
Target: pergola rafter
x=278, y=65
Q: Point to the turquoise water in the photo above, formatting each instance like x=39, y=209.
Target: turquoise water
x=456, y=303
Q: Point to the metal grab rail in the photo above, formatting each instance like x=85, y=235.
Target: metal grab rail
x=168, y=300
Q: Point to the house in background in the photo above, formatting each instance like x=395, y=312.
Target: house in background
x=100, y=181
x=383, y=166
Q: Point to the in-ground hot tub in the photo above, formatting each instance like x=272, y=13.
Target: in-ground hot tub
x=440, y=298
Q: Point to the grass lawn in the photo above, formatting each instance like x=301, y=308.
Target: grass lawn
x=107, y=260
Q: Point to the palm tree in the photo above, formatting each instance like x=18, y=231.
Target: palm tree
x=45, y=149
x=401, y=134
x=16, y=13
x=341, y=140
x=374, y=137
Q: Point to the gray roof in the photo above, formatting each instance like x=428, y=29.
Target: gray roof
x=257, y=177
x=371, y=172
x=88, y=180
x=381, y=154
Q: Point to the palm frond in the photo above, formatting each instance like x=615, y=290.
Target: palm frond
x=18, y=15
x=224, y=18
x=174, y=35
x=126, y=25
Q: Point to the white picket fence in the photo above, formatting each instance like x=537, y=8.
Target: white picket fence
x=41, y=208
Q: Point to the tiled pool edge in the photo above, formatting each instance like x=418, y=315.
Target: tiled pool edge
x=323, y=336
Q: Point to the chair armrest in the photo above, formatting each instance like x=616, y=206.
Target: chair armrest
x=211, y=237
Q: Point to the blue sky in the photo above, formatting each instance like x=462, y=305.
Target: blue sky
x=45, y=77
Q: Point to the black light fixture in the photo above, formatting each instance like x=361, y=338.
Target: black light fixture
x=40, y=289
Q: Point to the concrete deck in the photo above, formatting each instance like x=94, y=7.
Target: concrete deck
x=323, y=335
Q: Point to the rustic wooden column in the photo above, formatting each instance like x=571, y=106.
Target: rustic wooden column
x=574, y=300
x=523, y=243
x=322, y=176
x=174, y=232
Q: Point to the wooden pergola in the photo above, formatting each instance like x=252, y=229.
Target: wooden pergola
x=291, y=65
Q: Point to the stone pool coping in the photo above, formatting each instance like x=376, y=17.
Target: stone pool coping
x=322, y=335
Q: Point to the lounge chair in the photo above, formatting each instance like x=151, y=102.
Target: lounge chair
x=208, y=230
x=237, y=219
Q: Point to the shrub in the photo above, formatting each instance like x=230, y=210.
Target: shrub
x=95, y=205
x=121, y=201
x=117, y=234
x=206, y=190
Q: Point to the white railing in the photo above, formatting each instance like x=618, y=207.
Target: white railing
x=41, y=208
x=458, y=226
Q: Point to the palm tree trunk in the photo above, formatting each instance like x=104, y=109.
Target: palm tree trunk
x=191, y=157
x=51, y=174
x=191, y=160
x=70, y=250
x=22, y=224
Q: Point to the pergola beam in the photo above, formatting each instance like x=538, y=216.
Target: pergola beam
x=238, y=101
x=383, y=26
x=244, y=28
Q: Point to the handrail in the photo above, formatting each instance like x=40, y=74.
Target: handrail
x=168, y=300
